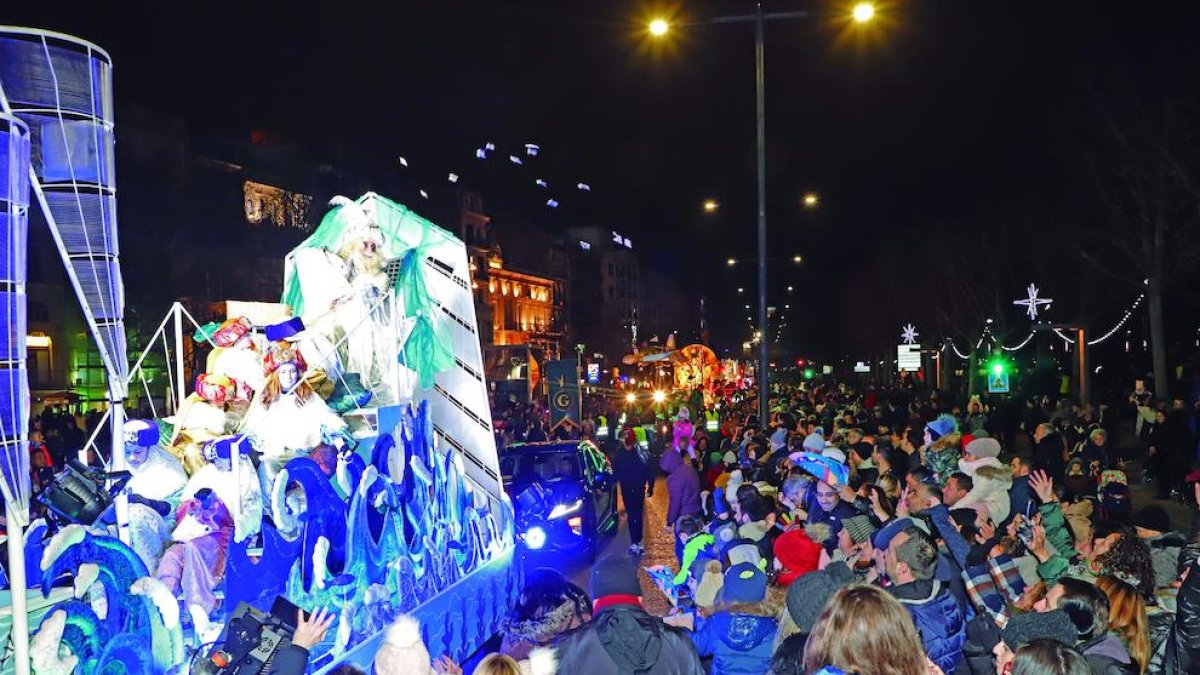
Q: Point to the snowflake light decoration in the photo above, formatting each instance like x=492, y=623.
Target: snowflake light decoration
x=1032, y=302
x=909, y=334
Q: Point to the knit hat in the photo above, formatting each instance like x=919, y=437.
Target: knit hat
x=1025, y=628
x=1153, y=518
x=835, y=453
x=711, y=580
x=943, y=425
x=403, y=651
x=859, y=528
x=983, y=447
x=744, y=583
x=797, y=555
x=614, y=574
x=744, y=551
x=814, y=442
x=808, y=595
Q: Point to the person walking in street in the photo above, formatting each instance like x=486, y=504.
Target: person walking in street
x=683, y=488
x=633, y=476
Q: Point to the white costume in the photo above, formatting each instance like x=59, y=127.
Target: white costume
x=160, y=477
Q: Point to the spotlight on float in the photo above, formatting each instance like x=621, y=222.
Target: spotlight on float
x=631, y=398
x=660, y=396
x=535, y=538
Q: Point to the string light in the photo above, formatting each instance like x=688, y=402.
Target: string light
x=1019, y=346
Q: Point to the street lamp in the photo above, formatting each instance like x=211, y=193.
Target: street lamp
x=731, y=262
x=711, y=205
x=862, y=13
x=797, y=259
x=811, y=200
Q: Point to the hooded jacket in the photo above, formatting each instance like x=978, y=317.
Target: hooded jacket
x=991, y=483
x=683, y=487
x=625, y=640
x=1107, y=656
x=939, y=620
x=740, y=639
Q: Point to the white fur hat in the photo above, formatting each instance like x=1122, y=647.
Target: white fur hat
x=403, y=652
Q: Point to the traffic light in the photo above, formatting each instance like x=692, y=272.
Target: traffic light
x=998, y=366
x=809, y=373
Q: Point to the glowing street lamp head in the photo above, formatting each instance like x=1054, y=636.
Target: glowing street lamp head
x=731, y=262
x=660, y=396
x=811, y=200
x=863, y=12
x=797, y=259
x=659, y=27
x=711, y=205
x=631, y=397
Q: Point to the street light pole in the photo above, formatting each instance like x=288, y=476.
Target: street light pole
x=760, y=94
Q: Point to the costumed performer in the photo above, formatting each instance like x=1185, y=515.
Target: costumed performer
x=324, y=367
x=211, y=412
x=217, y=475
x=287, y=419
x=157, y=475
x=237, y=357
x=194, y=565
x=344, y=297
x=682, y=429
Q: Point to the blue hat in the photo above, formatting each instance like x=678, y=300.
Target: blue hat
x=222, y=448
x=744, y=582
x=943, y=425
x=142, y=432
x=286, y=330
x=884, y=537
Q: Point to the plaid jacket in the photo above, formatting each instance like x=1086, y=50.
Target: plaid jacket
x=994, y=586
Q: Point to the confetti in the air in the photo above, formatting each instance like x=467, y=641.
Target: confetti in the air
x=552, y=203
x=489, y=146
x=585, y=187
x=531, y=149
x=480, y=154
x=403, y=162
x=514, y=159
x=424, y=194
x=453, y=178
x=541, y=183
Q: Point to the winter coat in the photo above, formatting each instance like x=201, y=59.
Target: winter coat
x=739, y=639
x=631, y=473
x=1107, y=656
x=817, y=515
x=991, y=483
x=291, y=660
x=683, y=487
x=1164, y=556
x=1183, y=643
x=1020, y=497
x=624, y=639
x=939, y=620
x=1048, y=455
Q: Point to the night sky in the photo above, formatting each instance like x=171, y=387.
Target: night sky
x=941, y=117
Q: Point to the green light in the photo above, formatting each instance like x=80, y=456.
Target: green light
x=998, y=368
x=809, y=373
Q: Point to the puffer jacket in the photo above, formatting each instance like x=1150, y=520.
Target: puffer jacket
x=992, y=481
x=624, y=639
x=1107, y=656
x=1164, y=556
x=740, y=639
x=939, y=620
x=683, y=487
x=1183, y=642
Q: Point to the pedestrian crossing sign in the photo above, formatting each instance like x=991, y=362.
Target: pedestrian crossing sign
x=997, y=383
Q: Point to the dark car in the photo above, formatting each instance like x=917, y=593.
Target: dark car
x=563, y=493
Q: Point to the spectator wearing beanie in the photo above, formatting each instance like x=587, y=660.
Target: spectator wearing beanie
x=796, y=555
x=403, y=651
x=1154, y=527
x=991, y=479
x=806, y=599
x=1023, y=629
x=739, y=635
x=622, y=637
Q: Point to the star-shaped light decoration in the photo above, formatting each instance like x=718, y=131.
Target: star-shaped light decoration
x=1032, y=302
x=909, y=334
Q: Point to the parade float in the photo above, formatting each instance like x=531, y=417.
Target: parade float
x=335, y=452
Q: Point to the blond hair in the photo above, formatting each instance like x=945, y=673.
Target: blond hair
x=1127, y=618
x=863, y=629
x=498, y=664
